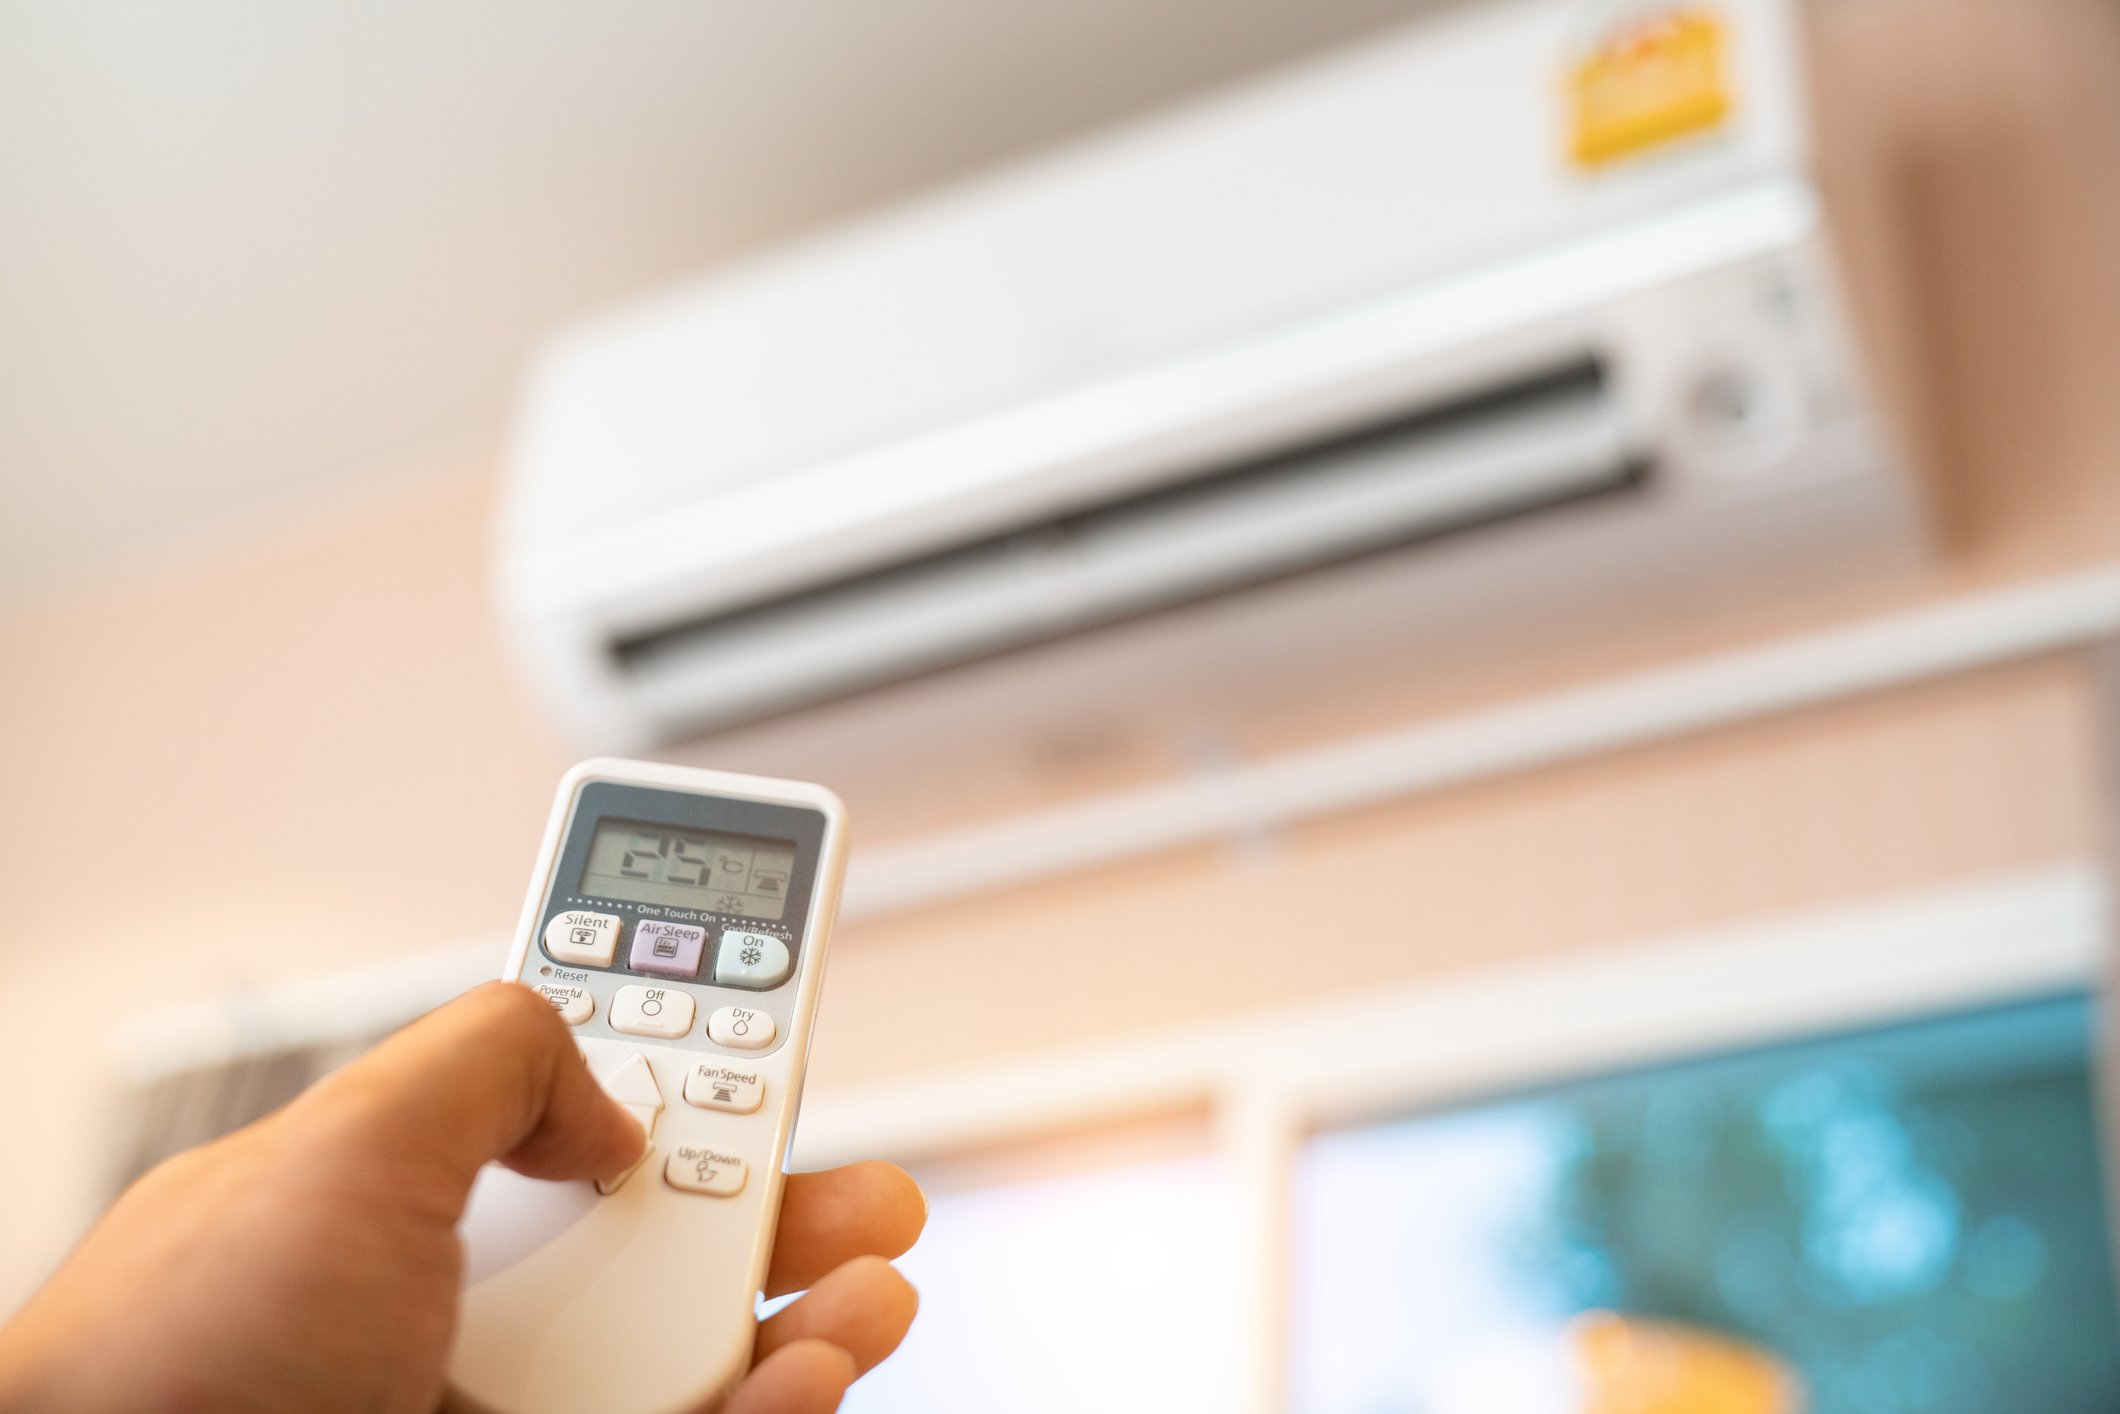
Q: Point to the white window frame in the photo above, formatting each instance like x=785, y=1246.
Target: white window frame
x=1270, y=1078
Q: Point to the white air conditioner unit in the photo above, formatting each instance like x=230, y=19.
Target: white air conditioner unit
x=1516, y=304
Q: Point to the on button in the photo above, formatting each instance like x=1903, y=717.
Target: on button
x=747, y=959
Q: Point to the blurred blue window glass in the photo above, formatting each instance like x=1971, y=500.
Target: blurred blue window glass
x=1909, y=1219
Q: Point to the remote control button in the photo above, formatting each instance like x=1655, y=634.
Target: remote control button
x=589, y=938
x=662, y=1012
x=740, y=1028
x=611, y=1185
x=698, y=1169
x=572, y=1003
x=750, y=959
x=666, y=949
x=720, y=1087
x=633, y=1085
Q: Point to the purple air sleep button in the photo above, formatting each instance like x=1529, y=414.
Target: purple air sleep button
x=667, y=949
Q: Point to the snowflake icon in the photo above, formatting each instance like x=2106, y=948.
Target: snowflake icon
x=751, y=955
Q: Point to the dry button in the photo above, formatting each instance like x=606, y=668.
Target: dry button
x=572, y=1003
x=589, y=938
x=739, y=1028
x=662, y=1012
x=724, y=1087
x=698, y=1169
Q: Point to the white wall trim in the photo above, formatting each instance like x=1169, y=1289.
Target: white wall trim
x=339, y=1007
x=1270, y=1076
x=1959, y=635
x=1966, y=945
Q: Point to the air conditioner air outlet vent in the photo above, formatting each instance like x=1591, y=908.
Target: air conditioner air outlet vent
x=1510, y=448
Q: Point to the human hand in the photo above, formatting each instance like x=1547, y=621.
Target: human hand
x=309, y=1262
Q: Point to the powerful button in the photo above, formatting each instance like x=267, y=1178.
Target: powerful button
x=589, y=938
x=697, y=1169
x=666, y=949
x=572, y=1003
x=662, y=1012
x=750, y=959
x=724, y=1087
x=739, y=1028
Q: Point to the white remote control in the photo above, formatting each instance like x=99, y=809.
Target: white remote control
x=677, y=921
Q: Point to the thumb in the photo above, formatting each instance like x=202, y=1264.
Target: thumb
x=494, y=1074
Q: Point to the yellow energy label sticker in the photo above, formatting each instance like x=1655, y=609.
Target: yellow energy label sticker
x=1653, y=75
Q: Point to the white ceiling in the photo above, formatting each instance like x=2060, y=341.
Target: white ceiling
x=251, y=252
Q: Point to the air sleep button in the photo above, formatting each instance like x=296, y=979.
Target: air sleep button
x=666, y=949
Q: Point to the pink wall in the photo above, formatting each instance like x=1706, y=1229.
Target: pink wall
x=308, y=753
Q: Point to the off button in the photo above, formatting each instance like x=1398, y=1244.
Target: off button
x=661, y=1012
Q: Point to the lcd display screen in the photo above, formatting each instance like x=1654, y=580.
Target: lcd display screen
x=663, y=864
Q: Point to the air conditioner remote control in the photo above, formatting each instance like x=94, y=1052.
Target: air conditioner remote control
x=677, y=920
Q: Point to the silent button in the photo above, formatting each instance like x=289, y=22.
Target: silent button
x=587, y=938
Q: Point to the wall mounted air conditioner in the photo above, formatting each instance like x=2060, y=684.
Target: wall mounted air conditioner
x=1525, y=299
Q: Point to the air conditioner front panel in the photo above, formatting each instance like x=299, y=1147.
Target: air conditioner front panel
x=1066, y=404
x=1090, y=442
x=1413, y=158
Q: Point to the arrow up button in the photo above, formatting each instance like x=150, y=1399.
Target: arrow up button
x=633, y=1086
